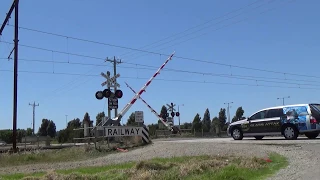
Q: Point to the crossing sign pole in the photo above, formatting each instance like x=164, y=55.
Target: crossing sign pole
x=111, y=82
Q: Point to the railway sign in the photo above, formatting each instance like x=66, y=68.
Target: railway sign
x=113, y=131
x=138, y=115
x=110, y=82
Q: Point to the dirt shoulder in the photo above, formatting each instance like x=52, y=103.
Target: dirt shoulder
x=303, y=158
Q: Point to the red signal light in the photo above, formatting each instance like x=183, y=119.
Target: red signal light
x=118, y=93
x=107, y=93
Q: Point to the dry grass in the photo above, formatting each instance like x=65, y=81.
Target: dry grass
x=48, y=156
x=197, y=167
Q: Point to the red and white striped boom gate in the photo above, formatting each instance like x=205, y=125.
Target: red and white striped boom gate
x=117, y=119
x=169, y=126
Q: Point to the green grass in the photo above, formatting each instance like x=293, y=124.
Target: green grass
x=48, y=156
x=194, y=167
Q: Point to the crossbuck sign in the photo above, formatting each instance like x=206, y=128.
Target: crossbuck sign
x=110, y=82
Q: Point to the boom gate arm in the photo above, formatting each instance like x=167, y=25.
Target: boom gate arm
x=117, y=119
x=170, y=127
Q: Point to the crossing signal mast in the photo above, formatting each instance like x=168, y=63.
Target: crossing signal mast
x=116, y=121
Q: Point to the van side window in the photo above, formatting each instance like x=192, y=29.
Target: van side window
x=258, y=115
x=275, y=113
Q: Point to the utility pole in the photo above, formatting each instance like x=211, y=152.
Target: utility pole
x=33, y=114
x=283, y=99
x=114, y=62
x=228, y=110
x=15, y=6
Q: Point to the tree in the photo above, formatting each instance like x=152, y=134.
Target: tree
x=216, y=125
x=239, y=113
x=74, y=124
x=29, y=132
x=43, y=127
x=234, y=119
x=47, y=128
x=99, y=117
x=196, y=124
x=86, y=118
x=186, y=125
x=67, y=135
x=163, y=112
x=222, y=117
x=51, y=129
x=206, y=122
x=131, y=120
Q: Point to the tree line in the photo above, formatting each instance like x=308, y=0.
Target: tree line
x=48, y=127
x=206, y=124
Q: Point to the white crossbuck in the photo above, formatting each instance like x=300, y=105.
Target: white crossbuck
x=110, y=82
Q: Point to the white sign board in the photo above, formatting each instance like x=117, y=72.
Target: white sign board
x=123, y=131
x=139, y=116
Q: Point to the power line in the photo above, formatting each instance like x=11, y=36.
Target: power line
x=68, y=37
x=177, y=80
x=129, y=48
x=102, y=43
x=250, y=4
x=233, y=76
x=178, y=57
x=215, y=29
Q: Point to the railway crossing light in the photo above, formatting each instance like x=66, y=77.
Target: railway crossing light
x=118, y=93
x=177, y=114
x=172, y=114
x=107, y=93
x=99, y=95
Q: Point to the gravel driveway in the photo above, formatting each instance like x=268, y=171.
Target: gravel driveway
x=303, y=157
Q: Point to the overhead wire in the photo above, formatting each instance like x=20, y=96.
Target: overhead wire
x=68, y=37
x=178, y=57
x=206, y=22
x=206, y=27
x=268, y=10
x=129, y=48
x=132, y=49
x=175, y=80
x=149, y=67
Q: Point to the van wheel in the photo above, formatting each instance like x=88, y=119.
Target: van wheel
x=290, y=132
x=237, y=134
x=311, y=135
x=258, y=137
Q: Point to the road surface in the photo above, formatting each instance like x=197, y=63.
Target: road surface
x=303, y=154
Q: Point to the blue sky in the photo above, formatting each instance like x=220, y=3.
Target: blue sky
x=284, y=39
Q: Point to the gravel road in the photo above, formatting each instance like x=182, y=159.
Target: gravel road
x=303, y=155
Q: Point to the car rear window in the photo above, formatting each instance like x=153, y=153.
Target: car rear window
x=315, y=107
